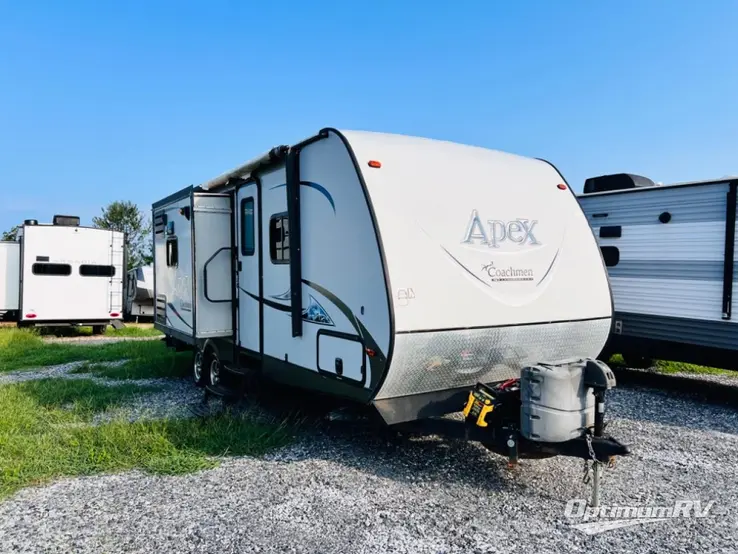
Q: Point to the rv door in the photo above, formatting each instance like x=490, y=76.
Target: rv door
x=248, y=225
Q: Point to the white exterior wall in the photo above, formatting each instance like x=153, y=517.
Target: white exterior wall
x=173, y=291
x=9, y=275
x=672, y=269
x=73, y=297
x=459, y=317
x=341, y=265
x=424, y=196
x=212, y=217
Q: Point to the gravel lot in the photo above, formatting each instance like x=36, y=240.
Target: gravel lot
x=344, y=487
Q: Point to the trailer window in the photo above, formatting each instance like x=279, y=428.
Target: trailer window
x=248, y=243
x=56, y=270
x=279, y=239
x=172, y=252
x=97, y=270
x=611, y=255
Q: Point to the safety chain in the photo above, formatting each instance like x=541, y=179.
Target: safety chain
x=589, y=468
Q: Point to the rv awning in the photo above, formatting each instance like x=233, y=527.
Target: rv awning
x=245, y=170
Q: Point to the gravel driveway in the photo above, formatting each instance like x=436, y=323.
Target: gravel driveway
x=346, y=488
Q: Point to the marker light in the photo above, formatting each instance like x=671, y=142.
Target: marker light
x=114, y=314
x=375, y=164
x=30, y=316
x=561, y=187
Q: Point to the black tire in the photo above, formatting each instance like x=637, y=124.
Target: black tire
x=214, y=369
x=199, y=369
x=99, y=329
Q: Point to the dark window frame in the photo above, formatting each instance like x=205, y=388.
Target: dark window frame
x=611, y=255
x=277, y=247
x=172, y=251
x=251, y=250
x=98, y=271
x=66, y=272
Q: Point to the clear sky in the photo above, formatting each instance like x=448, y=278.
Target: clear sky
x=133, y=100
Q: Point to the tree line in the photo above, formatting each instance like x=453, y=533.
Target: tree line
x=122, y=216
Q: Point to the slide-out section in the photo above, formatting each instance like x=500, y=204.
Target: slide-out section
x=192, y=267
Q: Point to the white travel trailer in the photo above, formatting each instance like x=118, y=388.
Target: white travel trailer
x=391, y=270
x=670, y=255
x=139, y=297
x=63, y=274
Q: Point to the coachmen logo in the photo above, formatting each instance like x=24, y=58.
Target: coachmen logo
x=518, y=231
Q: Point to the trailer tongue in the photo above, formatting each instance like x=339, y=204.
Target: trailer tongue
x=553, y=409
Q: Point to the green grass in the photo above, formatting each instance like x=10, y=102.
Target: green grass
x=130, y=330
x=165, y=364
x=21, y=348
x=665, y=366
x=45, y=434
x=82, y=396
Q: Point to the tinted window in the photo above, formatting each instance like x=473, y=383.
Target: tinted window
x=279, y=239
x=172, y=252
x=96, y=270
x=59, y=270
x=248, y=241
x=611, y=254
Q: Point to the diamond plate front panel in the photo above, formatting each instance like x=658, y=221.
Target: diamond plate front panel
x=427, y=362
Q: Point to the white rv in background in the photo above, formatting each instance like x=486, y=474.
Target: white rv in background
x=670, y=255
x=63, y=274
x=139, y=296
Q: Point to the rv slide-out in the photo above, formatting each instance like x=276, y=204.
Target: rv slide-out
x=392, y=270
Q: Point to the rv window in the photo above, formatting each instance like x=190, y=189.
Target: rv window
x=58, y=270
x=279, y=239
x=172, y=252
x=248, y=244
x=611, y=254
x=97, y=270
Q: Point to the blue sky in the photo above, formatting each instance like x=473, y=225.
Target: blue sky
x=133, y=100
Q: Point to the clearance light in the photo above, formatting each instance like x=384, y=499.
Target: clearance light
x=375, y=164
x=30, y=316
x=114, y=314
x=370, y=352
x=561, y=187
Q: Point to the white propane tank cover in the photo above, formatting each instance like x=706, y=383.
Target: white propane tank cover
x=556, y=406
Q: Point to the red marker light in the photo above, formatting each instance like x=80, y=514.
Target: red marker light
x=370, y=352
x=561, y=187
x=375, y=164
x=114, y=314
x=30, y=316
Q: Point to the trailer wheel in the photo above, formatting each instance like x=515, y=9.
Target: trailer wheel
x=99, y=329
x=214, y=369
x=198, y=363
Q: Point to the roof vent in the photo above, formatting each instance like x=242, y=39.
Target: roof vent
x=30, y=222
x=616, y=181
x=66, y=220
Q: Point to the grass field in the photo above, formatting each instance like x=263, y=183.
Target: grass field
x=22, y=348
x=664, y=366
x=130, y=330
x=47, y=427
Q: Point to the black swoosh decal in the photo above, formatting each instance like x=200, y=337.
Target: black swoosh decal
x=170, y=306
